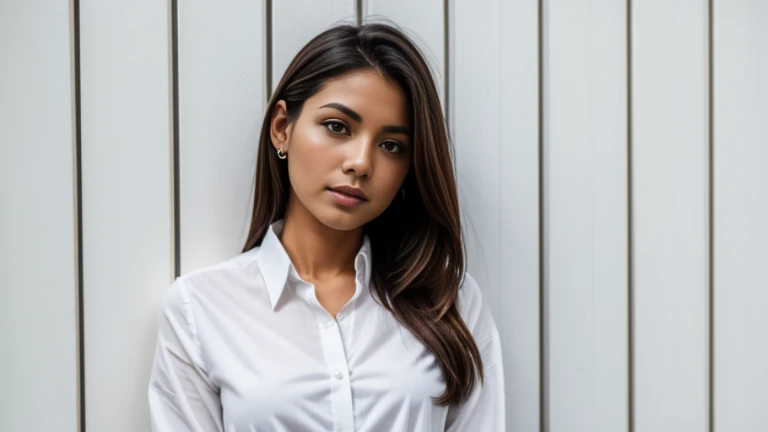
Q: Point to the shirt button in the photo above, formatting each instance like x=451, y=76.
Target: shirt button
x=337, y=373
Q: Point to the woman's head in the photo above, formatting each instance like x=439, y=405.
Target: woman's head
x=378, y=73
x=358, y=107
x=355, y=131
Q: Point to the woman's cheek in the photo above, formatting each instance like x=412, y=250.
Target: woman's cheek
x=315, y=137
x=307, y=172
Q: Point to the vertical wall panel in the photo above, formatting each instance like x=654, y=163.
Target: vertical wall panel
x=221, y=107
x=670, y=223
x=423, y=22
x=296, y=22
x=585, y=218
x=38, y=239
x=494, y=112
x=741, y=213
x=127, y=203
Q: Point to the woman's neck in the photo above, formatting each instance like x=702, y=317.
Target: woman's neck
x=317, y=251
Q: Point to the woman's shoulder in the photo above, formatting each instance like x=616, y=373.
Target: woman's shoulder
x=474, y=309
x=470, y=294
x=219, y=275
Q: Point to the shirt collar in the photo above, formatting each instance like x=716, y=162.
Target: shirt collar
x=275, y=264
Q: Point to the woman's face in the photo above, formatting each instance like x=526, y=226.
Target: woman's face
x=354, y=132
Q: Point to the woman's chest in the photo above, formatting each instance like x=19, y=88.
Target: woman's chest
x=310, y=373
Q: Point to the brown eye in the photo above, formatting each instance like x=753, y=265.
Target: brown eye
x=338, y=125
x=394, y=146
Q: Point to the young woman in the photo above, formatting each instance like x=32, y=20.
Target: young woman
x=349, y=308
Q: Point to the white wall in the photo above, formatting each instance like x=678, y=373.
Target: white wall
x=585, y=215
x=670, y=215
x=612, y=189
x=39, y=277
x=127, y=201
x=740, y=215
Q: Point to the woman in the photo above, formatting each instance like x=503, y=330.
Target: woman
x=349, y=308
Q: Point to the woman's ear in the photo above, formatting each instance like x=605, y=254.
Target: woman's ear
x=280, y=128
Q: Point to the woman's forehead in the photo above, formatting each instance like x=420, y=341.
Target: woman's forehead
x=366, y=93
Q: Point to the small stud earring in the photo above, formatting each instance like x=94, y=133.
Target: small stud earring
x=402, y=193
x=281, y=154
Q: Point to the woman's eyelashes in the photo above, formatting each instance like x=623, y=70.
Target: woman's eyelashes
x=330, y=124
x=337, y=128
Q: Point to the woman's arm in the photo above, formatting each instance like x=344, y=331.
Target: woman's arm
x=181, y=396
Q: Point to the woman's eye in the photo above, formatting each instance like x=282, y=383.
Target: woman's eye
x=338, y=128
x=396, y=147
x=330, y=125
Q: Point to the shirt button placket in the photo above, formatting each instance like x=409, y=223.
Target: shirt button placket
x=338, y=374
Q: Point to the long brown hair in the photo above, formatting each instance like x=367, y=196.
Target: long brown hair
x=417, y=247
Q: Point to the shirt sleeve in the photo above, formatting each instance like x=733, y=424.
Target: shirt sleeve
x=181, y=396
x=484, y=409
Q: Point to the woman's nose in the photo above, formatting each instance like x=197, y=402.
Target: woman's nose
x=358, y=158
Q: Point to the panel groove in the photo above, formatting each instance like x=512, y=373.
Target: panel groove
x=630, y=268
x=359, y=12
x=268, y=39
x=175, y=139
x=710, y=252
x=542, y=305
x=80, y=397
x=446, y=55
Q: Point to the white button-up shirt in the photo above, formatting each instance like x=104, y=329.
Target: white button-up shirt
x=244, y=345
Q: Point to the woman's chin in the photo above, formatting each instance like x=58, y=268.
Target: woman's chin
x=343, y=220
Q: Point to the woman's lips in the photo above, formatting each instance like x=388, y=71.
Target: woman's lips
x=344, y=199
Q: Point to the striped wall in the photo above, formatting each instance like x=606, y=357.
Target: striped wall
x=611, y=158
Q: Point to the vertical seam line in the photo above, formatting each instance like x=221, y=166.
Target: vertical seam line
x=80, y=339
x=175, y=139
x=710, y=251
x=268, y=40
x=630, y=245
x=446, y=59
x=359, y=12
x=542, y=297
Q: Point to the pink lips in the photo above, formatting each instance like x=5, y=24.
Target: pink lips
x=344, y=199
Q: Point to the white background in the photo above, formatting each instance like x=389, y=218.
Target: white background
x=612, y=159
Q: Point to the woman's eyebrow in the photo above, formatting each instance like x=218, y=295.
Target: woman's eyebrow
x=358, y=118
